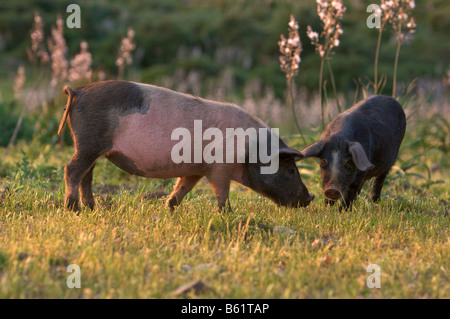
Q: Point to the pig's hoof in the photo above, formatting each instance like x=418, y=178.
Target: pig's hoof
x=172, y=203
x=72, y=205
x=91, y=206
x=226, y=209
x=329, y=202
x=344, y=207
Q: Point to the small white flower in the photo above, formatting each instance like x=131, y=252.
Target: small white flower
x=293, y=24
x=411, y=24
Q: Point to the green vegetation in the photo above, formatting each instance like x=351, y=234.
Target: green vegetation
x=211, y=36
x=132, y=246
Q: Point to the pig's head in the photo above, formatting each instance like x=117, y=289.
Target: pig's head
x=285, y=186
x=341, y=161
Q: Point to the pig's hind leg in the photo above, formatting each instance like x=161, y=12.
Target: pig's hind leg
x=74, y=172
x=87, y=198
x=183, y=186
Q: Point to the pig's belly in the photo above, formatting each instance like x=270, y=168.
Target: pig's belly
x=149, y=155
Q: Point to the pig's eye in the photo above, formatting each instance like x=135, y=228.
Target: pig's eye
x=348, y=166
x=323, y=162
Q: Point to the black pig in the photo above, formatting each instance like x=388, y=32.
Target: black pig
x=359, y=144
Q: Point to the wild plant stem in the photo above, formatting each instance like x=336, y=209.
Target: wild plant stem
x=333, y=85
x=291, y=101
x=16, y=131
x=322, y=115
x=394, y=84
x=325, y=98
x=22, y=113
x=120, y=72
x=375, y=81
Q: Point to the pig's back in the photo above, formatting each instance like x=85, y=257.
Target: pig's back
x=178, y=109
x=383, y=109
x=147, y=138
x=380, y=122
x=383, y=116
x=379, y=116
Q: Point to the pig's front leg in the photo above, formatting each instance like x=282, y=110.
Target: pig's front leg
x=220, y=182
x=377, y=185
x=350, y=196
x=346, y=203
x=329, y=202
x=183, y=186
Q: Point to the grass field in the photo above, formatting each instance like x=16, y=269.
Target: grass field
x=132, y=246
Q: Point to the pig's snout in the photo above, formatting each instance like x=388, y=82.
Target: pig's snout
x=332, y=193
x=303, y=202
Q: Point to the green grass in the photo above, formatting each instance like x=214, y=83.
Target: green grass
x=132, y=247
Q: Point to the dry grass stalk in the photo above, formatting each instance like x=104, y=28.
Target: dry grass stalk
x=19, y=82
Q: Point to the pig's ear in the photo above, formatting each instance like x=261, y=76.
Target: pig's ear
x=359, y=156
x=288, y=152
x=313, y=150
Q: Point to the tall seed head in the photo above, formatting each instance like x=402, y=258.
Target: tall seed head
x=80, y=65
x=398, y=13
x=330, y=13
x=37, y=53
x=58, y=49
x=290, y=49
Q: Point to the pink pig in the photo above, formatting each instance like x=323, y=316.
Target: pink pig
x=132, y=125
